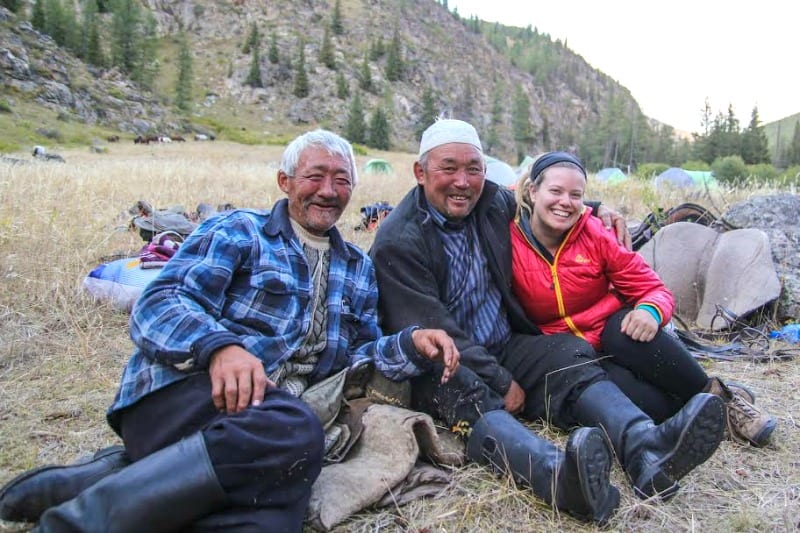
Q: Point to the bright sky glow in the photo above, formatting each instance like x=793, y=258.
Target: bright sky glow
x=673, y=55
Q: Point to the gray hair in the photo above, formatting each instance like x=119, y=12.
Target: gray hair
x=328, y=140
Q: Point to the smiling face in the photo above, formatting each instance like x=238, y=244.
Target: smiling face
x=319, y=191
x=452, y=176
x=557, y=201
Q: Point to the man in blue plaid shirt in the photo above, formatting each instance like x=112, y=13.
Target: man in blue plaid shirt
x=253, y=309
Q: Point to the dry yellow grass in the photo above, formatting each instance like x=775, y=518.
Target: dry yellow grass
x=61, y=353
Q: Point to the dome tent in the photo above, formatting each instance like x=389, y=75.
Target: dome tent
x=703, y=178
x=377, y=166
x=610, y=175
x=674, y=177
x=500, y=172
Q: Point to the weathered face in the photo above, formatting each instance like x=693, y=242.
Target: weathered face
x=319, y=191
x=557, y=200
x=452, y=178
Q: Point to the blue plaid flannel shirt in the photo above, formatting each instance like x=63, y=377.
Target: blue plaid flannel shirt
x=242, y=278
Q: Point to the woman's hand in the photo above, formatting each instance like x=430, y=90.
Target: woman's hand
x=640, y=325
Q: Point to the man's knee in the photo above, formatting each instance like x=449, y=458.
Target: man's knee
x=288, y=416
x=281, y=423
x=269, y=454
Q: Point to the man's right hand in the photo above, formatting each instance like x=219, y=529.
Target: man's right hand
x=238, y=379
x=514, y=398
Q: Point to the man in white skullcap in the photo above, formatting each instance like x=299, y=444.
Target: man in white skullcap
x=443, y=260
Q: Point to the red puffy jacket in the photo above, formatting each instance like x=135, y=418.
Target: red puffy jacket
x=592, y=276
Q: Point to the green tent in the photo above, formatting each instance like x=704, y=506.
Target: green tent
x=703, y=179
x=611, y=175
x=377, y=166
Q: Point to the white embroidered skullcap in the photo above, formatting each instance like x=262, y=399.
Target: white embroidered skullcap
x=446, y=131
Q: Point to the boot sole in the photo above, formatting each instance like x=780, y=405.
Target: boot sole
x=698, y=441
x=588, y=448
x=12, y=512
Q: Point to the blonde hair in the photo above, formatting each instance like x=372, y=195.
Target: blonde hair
x=526, y=182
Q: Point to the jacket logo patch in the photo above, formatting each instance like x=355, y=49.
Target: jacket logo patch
x=582, y=260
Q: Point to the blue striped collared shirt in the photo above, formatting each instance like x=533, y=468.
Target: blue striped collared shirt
x=472, y=296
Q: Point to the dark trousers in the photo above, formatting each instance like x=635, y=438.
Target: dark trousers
x=659, y=376
x=266, y=458
x=552, y=369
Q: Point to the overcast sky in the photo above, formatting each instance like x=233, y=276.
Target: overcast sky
x=673, y=55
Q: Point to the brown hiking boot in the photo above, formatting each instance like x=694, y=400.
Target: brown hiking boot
x=746, y=422
x=740, y=390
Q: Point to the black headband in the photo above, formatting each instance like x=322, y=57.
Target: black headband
x=551, y=158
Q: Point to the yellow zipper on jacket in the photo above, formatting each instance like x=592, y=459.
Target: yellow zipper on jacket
x=562, y=311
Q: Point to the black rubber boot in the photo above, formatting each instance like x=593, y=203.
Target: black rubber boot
x=165, y=491
x=31, y=493
x=654, y=457
x=576, y=482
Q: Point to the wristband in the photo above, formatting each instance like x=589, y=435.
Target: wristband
x=652, y=310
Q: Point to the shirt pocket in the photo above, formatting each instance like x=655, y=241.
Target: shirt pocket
x=274, y=299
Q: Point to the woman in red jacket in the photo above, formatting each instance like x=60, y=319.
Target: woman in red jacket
x=571, y=276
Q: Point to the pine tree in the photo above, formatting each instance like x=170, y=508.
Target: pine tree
x=365, y=78
x=521, y=121
x=125, y=30
x=378, y=49
x=493, y=136
x=301, y=89
x=72, y=32
x=55, y=22
x=88, y=17
x=146, y=68
x=466, y=101
x=38, y=17
x=793, y=152
x=394, y=59
x=754, y=142
x=336, y=19
x=326, y=55
x=253, y=39
x=272, y=54
x=342, y=87
x=11, y=5
x=379, y=130
x=94, y=49
x=183, y=88
x=254, y=75
x=428, y=114
x=356, y=129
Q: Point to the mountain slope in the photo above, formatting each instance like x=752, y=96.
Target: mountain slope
x=439, y=51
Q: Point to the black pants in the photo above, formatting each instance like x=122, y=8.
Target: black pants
x=266, y=458
x=552, y=369
x=659, y=376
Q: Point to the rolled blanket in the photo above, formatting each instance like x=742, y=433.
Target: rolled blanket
x=383, y=465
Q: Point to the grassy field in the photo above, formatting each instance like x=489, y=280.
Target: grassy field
x=61, y=353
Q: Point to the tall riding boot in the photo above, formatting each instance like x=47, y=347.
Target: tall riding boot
x=31, y=493
x=165, y=491
x=576, y=482
x=654, y=457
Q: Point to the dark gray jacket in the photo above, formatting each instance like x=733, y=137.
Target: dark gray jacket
x=411, y=267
